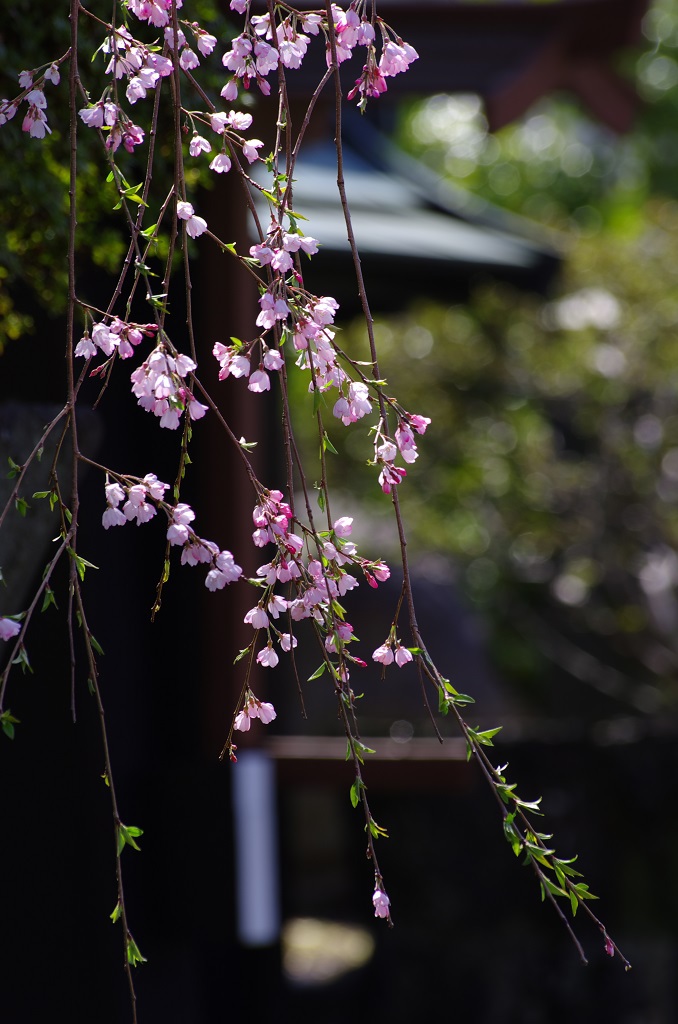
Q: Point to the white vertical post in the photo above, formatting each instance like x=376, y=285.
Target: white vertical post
x=256, y=849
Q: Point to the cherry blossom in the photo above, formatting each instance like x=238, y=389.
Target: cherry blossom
x=266, y=712
x=256, y=617
x=249, y=149
x=383, y=654
x=287, y=641
x=195, y=225
x=9, y=628
x=267, y=657
x=381, y=903
x=254, y=708
x=221, y=163
x=259, y=381
x=402, y=656
x=343, y=526
x=198, y=145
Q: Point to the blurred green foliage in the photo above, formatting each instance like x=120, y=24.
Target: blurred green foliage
x=34, y=182
x=549, y=475
x=557, y=165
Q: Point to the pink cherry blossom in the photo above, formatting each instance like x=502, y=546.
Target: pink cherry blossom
x=114, y=494
x=156, y=488
x=267, y=657
x=230, y=91
x=205, y=41
x=381, y=903
x=266, y=712
x=259, y=381
x=196, y=409
x=249, y=149
x=195, y=226
x=242, y=721
x=221, y=163
x=256, y=617
x=343, y=526
x=198, y=145
x=420, y=423
x=113, y=517
x=383, y=654
x=9, y=628
x=273, y=359
x=402, y=656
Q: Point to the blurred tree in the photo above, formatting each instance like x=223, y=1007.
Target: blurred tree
x=34, y=189
x=550, y=472
x=557, y=165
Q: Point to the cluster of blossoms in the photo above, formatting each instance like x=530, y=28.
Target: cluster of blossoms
x=253, y=708
x=320, y=581
x=8, y=628
x=195, y=226
x=386, y=452
x=140, y=501
x=117, y=336
x=35, y=118
x=144, y=68
x=228, y=126
x=159, y=383
x=392, y=651
x=396, y=57
x=262, y=46
x=159, y=387
x=235, y=362
x=112, y=118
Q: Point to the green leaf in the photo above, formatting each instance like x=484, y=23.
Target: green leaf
x=117, y=911
x=41, y=494
x=487, y=736
x=21, y=506
x=574, y=903
x=80, y=563
x=462, y=698
x=128, y=834
x=134, y=957
x=565, y=867
x=529, y=805
x=14, y=468
x=95, y=644
x=553, y=889
x=318, y=672
x=512, y=835
x=8, y=722
x=582, y=891
x=356, y=790
x=377, y=831
x=22, y=659
x=327, y=444
x=48, y=599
